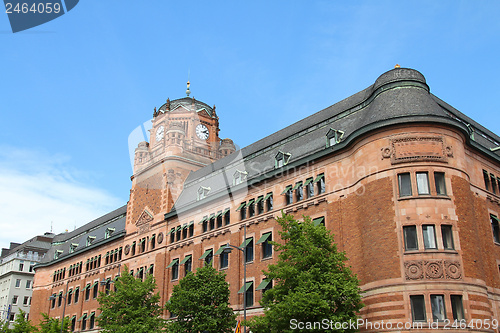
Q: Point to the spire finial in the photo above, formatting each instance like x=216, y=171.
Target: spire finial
x=188, y=84
x=397, y=66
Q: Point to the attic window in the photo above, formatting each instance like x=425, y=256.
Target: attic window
x=73, y=247
x=333, y=137
x=239, y=177
x=203, y=192
x=109, y=232
x=57, y=254
x=282, y=159
x=90, y=239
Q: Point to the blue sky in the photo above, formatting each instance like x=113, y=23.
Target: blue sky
x=72, y=90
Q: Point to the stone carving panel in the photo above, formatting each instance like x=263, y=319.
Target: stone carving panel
x=417, y=148
x=432, y=270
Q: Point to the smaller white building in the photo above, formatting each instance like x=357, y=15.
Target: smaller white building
x=17, y=274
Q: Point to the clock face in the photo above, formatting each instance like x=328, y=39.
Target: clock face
x=202, y=131
x=159, y=133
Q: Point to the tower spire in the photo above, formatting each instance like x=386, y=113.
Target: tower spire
x=188, y=84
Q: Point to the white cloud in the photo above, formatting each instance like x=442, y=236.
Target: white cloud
x=38, y=190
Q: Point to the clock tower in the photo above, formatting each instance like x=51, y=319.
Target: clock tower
x=184, y=137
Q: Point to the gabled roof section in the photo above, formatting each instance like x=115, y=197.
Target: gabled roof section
x=398, y=96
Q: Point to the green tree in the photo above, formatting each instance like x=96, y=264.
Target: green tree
x=201, y=303
x=4, y=326
x=22, y=325
x=53, y=325
x=133, y=307
x=311, y=282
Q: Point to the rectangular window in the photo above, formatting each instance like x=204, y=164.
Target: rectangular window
x=12, y=316
x=187, y=262
x=175, y=270
x=495, y=228
x=267, y=248
x=243, y=213
x=251, y=208
x=260, y=205
x=224, y=259
x=92, y=321
x=289, y=196
x=219, y=219
x=21, y=265
x=320, y=180
x=486, y=180
x=410, y=237
x=191, y=229
x=404, y=182
x=423, y=183
x=227, y=216
x=172, y=234
x=437, y=305
x=440, y=183
x=84, y=322
x=77, y=295
x=14, y=300
x=18, y=283
x=96, y=289
x=70, y=296
x=212, y=222
x=205, y=223
x=209, y=258
x=87, y=292
x=249, y=295
x=429, y=234
x=417, y=307
x=309, y=185
x=299, y=193
x=269, y=201
x=28, y=284
x=184, y=231
x=249, y=250
x=26, y=300
x=493, y=183
x=457, y=307
x=446, y=232
x=53, y=301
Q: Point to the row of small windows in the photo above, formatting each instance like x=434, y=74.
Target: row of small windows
x=491, y=183
x=142, y=272
x=113, y=256
x=428, y=236
x=308, y=186
x=181, y=232
x=26, y=301
x=142, y=245
x=438, y=307
x=262, y=203
x=423, y=185
x=208, y=255
x=18, y=283
x=222, y=218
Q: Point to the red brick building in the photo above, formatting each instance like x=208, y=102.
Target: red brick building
x=408, y=185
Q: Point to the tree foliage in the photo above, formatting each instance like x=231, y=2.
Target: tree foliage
x=53, y=325
x=311, y=281
x=201, y=303
x=133, y=307
x=22, y=325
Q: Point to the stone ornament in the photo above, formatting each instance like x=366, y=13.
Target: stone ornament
x=417, y=148
x=432, y=270
x=127, y=249
x=160, y=237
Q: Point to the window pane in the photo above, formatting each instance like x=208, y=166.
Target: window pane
x=437, y=304
x=429, y=236
x=249, y=295
x=495, y=228
x=249, y=250
x=417, y=307
x=410, y=236
x=422, y=183
x=457, y=307
x=404, y=184
x=493, y=184
x=486, y=180
x=447, y=234
x=440, y=183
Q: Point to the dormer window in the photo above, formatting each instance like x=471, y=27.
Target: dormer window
x=73, y=247
x=334, y=136
x=109, y=232
x=90, y=239
x=203, y=192
x=239, y=177
x=57, y=254
x=282, y=159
